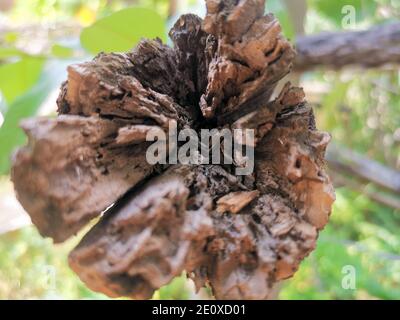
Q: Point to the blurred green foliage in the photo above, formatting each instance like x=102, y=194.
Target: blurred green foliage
x=33, y=268
x=360, y=108
x=115, y=33
x=61, y=51
x=360, y=234
x=28, y=70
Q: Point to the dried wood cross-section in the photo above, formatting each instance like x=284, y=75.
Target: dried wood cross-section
x=237, y=234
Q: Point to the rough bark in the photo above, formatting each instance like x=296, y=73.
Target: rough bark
x=251, y=57
x=237, y=234
x=376, y=47
x=69, y=172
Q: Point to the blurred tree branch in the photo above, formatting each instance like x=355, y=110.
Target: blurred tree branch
x=173, y=8
x=6, y=5
x=343, y=159
x=375, y=47
x=345, y=162
x=387, y=199
x=297, y=10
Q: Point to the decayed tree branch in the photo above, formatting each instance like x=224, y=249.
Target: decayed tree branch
x=371, y=48
x=238, y=234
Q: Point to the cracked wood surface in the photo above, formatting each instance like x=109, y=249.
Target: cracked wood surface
x=239, y=235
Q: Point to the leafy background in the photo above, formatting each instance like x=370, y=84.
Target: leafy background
x=39, y=38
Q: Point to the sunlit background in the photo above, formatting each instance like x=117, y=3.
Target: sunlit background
x=360, y=108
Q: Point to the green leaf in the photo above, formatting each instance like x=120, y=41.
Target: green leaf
x=26, y=106
x=10, y=134
x=60, y=51
x=122, y=30
x=18, y=77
